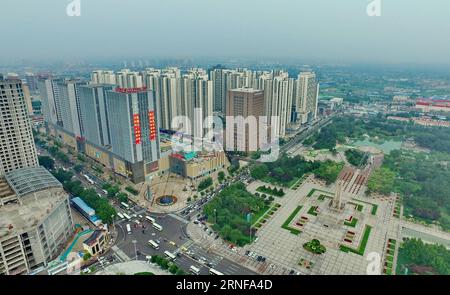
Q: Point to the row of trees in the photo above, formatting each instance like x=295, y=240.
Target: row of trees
x=101, y=205
x=167, y=265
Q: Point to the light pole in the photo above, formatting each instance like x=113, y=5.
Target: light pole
x=135, y=249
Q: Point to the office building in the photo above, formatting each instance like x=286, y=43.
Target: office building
x=249, y=104
x=134, y=131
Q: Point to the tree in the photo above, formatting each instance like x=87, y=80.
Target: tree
x=381, y=181
x=122, y=197
x=205, y=183
x=221, y=176
x=87, y=256
x=62, y=175
x=259, y=171
x=356, y=157
x=78, y=168
x=46, y=162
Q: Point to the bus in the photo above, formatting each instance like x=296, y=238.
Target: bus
x=129, y=229
x=157, y=226
x=153, y=244
x=212, y=271
x=194, y=270
x=169, y=255
x=88, y=179
x=150, y=219
x=120, y=215
x=126, y=216
x=124, y=205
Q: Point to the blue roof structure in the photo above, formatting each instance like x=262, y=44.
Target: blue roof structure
x=83, y=206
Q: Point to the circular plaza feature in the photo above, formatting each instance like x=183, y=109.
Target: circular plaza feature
x=166, y=200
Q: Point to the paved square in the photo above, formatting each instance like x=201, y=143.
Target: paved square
x=285, y=249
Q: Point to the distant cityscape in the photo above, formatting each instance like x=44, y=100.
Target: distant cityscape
x=98, y=174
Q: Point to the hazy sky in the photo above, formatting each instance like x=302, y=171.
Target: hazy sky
x=408, y=31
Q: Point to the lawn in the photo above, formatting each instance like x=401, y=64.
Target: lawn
x=289, y=220
x=352, y=223
x=312, y=211
x=362, y=244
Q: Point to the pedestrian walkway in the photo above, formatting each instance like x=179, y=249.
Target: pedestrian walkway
x=120, y=253
x=178, y=218
x=132, y=267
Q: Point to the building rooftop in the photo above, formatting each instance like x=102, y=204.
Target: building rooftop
x=248, y=90
x=30, y=180
x=93, y=238
x=17, y=217
x=83, y=206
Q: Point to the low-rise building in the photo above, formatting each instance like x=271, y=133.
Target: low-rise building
x=194, y=165
x=97, y=242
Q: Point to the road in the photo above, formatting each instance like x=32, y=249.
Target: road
x=173, y=239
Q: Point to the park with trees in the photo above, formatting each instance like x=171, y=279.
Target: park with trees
x=286, y=170
x=228, y=213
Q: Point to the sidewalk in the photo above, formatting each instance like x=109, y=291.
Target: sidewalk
x=132, y=267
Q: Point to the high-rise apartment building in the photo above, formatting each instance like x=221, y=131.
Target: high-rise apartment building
x=95, y=114
x=279, y=92
x=307, y=97
x=35, y=218
x=16, y=138
x=69, y=102
x=32, y=81
x=28, y=99
x=166, y=85
x=50, y=98
x=196, y=100
x=103, y=77
x=248, y=104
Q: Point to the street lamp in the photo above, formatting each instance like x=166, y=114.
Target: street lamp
x=135, y=249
